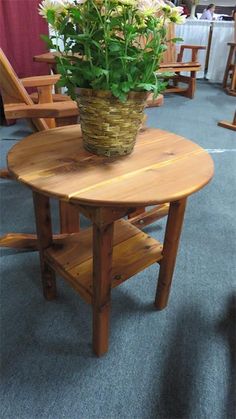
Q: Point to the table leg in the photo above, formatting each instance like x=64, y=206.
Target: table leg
x=102, y=264
x=44, y=234
x=170, y=248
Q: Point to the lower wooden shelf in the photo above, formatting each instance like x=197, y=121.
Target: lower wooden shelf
x=133, y=251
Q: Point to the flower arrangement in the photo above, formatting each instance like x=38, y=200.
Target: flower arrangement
x=114, y=45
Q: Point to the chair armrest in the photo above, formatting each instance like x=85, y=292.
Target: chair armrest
x=39, y=81
x=194, y=48
x=45, y=110
x=179, y=66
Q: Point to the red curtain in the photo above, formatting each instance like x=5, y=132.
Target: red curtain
x=20, y=29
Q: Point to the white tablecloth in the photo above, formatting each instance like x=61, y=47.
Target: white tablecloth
x=223, y=32
x=194, y=32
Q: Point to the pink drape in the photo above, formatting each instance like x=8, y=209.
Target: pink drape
x=20, y=29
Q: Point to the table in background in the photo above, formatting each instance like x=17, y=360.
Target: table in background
x=164, y=167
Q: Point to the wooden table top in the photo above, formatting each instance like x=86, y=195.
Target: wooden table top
x=163, y=167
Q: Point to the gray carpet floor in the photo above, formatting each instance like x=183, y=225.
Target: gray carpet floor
x=177, y=363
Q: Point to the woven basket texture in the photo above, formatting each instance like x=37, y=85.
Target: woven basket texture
x=110, y=127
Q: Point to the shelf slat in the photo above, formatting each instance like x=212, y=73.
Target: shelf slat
x=133, y=251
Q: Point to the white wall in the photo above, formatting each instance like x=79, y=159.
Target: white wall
x=219, y=2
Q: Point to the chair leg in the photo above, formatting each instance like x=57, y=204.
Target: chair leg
x=192, y=86
x=44, y=234
x=102, y=263
x=229, y=60
x=170, y=248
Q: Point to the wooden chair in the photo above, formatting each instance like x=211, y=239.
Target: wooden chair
x=174, y=63
x=43, y=110
x=229, y=125
x=43, y=104
x=229, y=80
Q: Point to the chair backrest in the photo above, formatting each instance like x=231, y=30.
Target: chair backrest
x=169, y=55
x=13, y=91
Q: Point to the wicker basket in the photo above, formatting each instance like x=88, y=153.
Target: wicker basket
x=109, y=127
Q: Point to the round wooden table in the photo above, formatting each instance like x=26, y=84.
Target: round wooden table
x=164, y=168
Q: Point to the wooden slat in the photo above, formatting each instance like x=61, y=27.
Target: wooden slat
x=175, y=89
x=133, y=251
x=24, y=241
x=57, y=97
x=65, y=250
x=149, y=216
x=180, y=66
x=51, y=110
x=38, y=81
x=19, y=241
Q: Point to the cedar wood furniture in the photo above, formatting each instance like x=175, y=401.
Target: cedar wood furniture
x=164, y=167
x=229, y=125
x=41, y=109
x=37, y=107
x=173, y=62
x=229, y=81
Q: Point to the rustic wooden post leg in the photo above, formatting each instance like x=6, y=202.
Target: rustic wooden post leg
x=170, y=248
x=229, y=61
x=69, y=218
x=44, y=233
x=192, y=85
x=102, y=264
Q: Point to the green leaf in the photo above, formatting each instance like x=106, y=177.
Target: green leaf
x=126, y=86
x=114, y=47
x=146, y=86
x=51, y=16
x=175, y=40
x=76, y=14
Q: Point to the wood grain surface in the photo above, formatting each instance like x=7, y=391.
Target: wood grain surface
x=72, y=257
x=164, y=167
